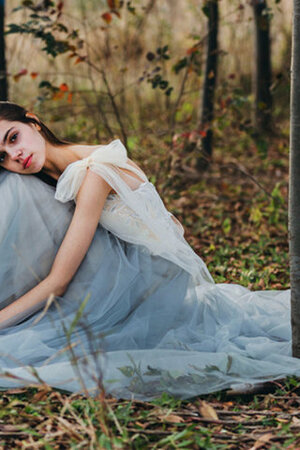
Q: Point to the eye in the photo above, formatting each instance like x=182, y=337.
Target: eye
x=13, y=137
x=2, y=157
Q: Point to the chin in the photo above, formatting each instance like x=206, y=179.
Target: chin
x=36, y=168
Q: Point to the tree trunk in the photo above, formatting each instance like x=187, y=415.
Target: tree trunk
x=262, y=74
x=294, y=193
x=3, y=77
x=211, y=9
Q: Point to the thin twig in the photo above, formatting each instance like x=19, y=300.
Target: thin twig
x=91, y=78
x=258, y=413
x=115, y=107
x=180, y=94
x=112, y=99
x=244, y=172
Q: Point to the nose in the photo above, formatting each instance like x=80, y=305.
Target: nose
x=15, y=154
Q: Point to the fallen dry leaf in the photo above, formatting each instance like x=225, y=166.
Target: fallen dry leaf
x=262, y=440
x=171, y=418
x=41, y=394
x=296, y=421
x=11, y=428
x=15, y=391
x=207, y=411
x=140, y=424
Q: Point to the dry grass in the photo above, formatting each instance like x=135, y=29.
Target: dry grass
x=46, y=419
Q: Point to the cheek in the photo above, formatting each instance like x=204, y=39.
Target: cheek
x=12, y=167
x=40, y=147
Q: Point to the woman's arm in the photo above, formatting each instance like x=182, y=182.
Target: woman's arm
x=90, y=202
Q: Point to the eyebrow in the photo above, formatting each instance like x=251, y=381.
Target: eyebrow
x=6, y=134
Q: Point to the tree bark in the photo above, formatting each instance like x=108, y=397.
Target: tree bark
x=294, y=192
x=207, y=113
x=3, y=76
x=262, y=74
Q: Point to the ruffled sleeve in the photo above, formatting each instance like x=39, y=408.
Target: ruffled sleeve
x=104, y=161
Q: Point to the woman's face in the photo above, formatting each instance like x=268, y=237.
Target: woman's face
x=22, y=147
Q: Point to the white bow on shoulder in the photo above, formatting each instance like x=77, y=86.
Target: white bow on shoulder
x=113, y=153
x=71, y=179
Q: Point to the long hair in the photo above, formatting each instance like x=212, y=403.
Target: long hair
x=16, y=113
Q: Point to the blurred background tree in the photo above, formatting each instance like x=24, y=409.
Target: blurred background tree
x=134, y=69
x=294, y=193
x=211, y=9
x=3, y=76
x=262, y=73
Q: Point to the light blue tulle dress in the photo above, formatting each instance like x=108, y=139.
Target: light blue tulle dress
x=142, y=315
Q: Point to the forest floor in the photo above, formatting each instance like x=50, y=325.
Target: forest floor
x=235, y=217
x=48, y=419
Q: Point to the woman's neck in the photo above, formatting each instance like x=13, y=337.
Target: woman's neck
x=58, y=158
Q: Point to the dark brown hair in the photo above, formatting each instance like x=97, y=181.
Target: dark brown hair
x=16, y=113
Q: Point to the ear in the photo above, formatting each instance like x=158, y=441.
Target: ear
x=37, y=120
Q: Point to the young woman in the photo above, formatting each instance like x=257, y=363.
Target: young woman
x=124, y=280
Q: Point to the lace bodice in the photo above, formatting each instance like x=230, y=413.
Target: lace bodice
x=123, y=221
x=135, y=214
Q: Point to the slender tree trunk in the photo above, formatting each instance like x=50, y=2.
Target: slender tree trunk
x=3, y=78
x=262, y=74
x=207, y=114
x=294, y=193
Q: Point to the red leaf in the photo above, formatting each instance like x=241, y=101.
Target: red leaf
x=60, y=6
x=34, y=75
x=70, y=96
x=202, y=133
x=222, y=103
x=107, y=17
x=185, y=135
x=191, y=50
x=80, y=59
x=57, y=95
x=20, y=74
x=113, y=4
x=64, y=87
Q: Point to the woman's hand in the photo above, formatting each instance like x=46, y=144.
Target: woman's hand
x=29, y=303
x=90, y=201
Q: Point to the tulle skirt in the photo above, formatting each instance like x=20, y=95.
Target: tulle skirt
x=129, y=321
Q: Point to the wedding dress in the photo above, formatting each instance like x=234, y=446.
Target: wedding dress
x=142, y=315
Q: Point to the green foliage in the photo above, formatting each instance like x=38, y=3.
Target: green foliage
x=181, y=64
x=153, y=77
x=43, y=24
x=205, y=10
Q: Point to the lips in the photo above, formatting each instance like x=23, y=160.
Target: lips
x=27, y=162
